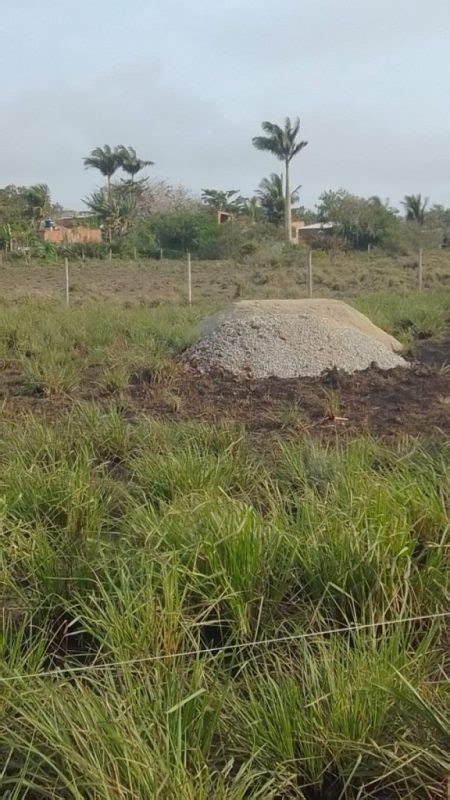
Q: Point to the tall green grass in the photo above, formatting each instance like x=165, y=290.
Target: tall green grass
x=56, y=349
x=126, y=544
x=408, y=316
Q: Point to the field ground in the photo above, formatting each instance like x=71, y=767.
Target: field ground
x=399, y=402
x=54, y=357
x=217, y=282
x=215, y=589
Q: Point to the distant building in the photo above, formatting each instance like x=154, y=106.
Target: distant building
x=224, y=216
x=306, y=233
x=69, y=230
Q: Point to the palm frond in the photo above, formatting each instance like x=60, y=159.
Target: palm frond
x=105, y=159
x=415, y=207
x=269, y=144
x=294, y=128
x=271, y=128
x=299, y=146
x=280, y=141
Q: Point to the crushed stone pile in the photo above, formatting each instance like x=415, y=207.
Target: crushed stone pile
x=292, y=338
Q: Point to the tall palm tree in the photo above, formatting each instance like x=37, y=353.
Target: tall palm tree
x=130, y=162
x=270, y=194
x=106, y=159
x=282, y=142
x=415, y=207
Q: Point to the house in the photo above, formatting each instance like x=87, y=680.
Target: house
x=224, y=216
x=306, y=233
x=69, y=230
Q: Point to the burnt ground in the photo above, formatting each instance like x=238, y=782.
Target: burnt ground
x=434, y=352
x=414, y=401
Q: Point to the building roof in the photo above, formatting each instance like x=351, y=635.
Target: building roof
x=318, y=226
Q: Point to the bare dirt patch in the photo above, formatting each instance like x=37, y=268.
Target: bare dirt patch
x=435, y=352
x=398, y=402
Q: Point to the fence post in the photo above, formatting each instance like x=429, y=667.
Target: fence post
x=420, y=270
x=160, y=254
x=369, y=247
x=110, y=254
x=189, y=277
x=66, y=272
x=135, y=254
x=310, y=275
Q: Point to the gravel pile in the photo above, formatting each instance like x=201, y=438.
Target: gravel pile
x=260, y=344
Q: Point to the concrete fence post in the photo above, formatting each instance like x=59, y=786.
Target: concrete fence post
x=66, y=275
x=310, y=274
x=189, y=278
x=420, y=270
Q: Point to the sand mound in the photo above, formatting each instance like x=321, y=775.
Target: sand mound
x=290, y=338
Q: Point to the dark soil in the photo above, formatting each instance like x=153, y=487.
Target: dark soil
x=435, y=352
x=413, y=401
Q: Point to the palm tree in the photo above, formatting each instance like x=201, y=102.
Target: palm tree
x=130, y=163
x=115, y=207
x=271, y=197
x=252, y=207
x=415, y=208
x=37, y=202
x=229, y=200
x=282, y=143
x=106, y=159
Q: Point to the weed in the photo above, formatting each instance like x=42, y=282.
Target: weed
x=115, y=378
x=50, y=373
x=292, y=417
x=332, y=405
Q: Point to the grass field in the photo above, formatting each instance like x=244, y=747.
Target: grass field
x=194, y=611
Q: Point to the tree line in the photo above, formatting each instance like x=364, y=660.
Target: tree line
x=137, y=212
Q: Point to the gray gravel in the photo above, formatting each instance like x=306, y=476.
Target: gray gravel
x=261, y=345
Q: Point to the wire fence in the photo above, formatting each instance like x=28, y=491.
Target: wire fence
x=313, y=273
x=227, y=648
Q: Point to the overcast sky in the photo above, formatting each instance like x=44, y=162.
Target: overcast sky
x=188, y=85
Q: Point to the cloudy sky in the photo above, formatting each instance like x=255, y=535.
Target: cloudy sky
x=188, y=84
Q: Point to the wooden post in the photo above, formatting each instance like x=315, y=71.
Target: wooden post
x=420, y=270
x=135, y=254
x=310, y=275
x=160, y=254
x=83, y=256
x=189, y=276
x=66, y=271
x=369, y=247
x=110, y=254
